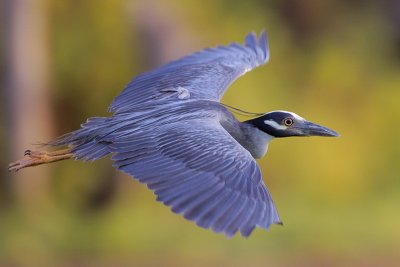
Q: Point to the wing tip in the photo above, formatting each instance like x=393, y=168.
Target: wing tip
x=256, y=44
x=251, y=39
x=263, y=43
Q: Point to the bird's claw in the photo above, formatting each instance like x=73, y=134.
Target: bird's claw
x=32, y=158
x=17, y=165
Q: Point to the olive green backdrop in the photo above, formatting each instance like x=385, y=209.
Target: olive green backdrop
x=334, y=62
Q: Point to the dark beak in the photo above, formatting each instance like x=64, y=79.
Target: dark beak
x=312, y=129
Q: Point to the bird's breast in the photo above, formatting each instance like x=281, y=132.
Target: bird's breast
x=248, y=136
x=257, y=142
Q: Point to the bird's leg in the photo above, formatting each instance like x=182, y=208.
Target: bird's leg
x=33, y=158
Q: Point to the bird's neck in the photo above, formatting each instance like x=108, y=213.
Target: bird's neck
x=255, y=140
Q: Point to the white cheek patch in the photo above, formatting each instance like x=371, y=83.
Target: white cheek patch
x=275, y=125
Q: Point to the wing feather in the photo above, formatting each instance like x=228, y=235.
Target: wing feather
x=201, y=172
x=203, y=75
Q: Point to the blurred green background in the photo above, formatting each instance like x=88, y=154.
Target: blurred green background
x=334, y=62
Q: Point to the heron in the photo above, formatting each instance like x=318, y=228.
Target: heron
x=169, y=130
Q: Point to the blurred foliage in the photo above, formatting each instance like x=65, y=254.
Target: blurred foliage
x=333, y=62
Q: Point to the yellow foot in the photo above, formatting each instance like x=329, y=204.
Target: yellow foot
x=33, y=158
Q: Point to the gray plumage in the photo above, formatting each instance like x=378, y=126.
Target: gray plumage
x=170, y=132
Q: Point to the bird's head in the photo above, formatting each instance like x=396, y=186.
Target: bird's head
x=284, y=124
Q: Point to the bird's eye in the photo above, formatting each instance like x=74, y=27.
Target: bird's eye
x=288, y=121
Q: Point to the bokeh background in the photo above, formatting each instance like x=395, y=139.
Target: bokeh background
x=334, y=62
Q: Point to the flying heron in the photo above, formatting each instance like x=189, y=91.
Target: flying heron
x=169, y=131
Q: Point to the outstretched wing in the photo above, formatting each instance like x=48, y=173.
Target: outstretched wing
x=199, y=170
x=202, y=75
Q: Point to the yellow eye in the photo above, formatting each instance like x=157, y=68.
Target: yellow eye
x=288, y=121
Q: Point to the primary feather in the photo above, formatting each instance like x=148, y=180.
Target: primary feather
x=205, y=74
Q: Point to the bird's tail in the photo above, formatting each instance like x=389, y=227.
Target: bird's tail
x=81, y=144
x=84, y=142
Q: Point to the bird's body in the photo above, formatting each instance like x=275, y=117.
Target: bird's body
x=170, y=131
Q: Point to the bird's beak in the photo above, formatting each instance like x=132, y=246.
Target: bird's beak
x=307, y=128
